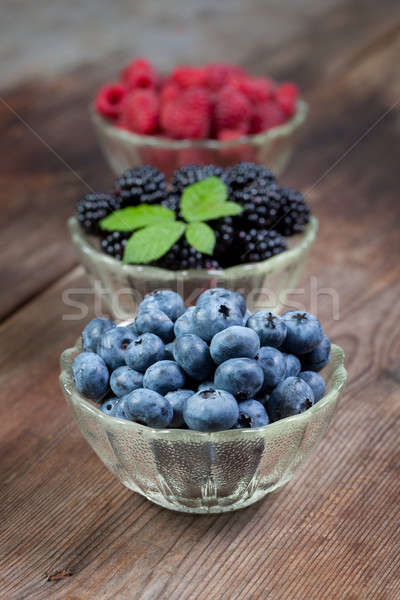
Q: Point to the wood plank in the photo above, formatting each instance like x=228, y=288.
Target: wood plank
x=39, y=201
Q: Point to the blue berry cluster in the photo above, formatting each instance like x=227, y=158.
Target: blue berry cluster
x=209, y=367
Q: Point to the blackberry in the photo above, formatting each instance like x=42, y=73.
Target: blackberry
x=173, y=202
x=190, y=174
x=246, y=173
x=94, y=207
x=114, y=243
x=258, y=244
x=141, y=185
x=182, y=256
x=260, y=206
x=293, y=214
x=224, y=238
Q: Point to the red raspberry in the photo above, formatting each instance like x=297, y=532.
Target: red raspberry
x=232, y=109
x=257, y=89
x=140, y=112
x=187, y=77
x=170, y=92
x=286, y=97
x=230, y=134
x=109, y=100
x=188, y=117
x=139, y=74
x=217, y=74
x=266, y=116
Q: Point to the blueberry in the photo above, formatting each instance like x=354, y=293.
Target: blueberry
x=221, y=295
x=113, y=344
x=209, y=319
x=270, y=328
x=242, y=377
x=273, y=365
x=206, y=385
x=177, y=401
x=251, y=414
x=319, y=357
x=90, y=375
x=291, y=397
x=246, y=317
x=143, y=352
x=93, y=332
x=234, y=342
x=168, y=301
x=147, y=407
x=132, y=328
x=210, y=410
x=108, y=406
x=169, y=351
x=164, y=376
x=157, y=322
x=304, y=332
x=293, y=365
x=124, y=380
x=316, y=383
x=193, y=355
x=185, y=323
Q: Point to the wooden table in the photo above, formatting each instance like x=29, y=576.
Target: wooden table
x=68, y=529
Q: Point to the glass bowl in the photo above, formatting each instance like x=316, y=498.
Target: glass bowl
x=124, y=149
x=121, y=288
x=196, y=472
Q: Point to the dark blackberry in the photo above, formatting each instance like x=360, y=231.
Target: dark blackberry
x=256, y=245
x=293, y=214
x=173, y=202
x=141, y=185
x=114, y=244
x=183, y=256
x=190, y=174
x=92, y=208
x=224, y=238
x=245, y=173
x=260, y=206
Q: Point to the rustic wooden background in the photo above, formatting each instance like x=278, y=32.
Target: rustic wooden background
x=69, y=530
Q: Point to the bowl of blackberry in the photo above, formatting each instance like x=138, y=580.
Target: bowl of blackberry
x=204, y=408
x=207, y=227
x=213, y=113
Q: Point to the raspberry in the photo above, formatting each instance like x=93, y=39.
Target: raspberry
x=109, y=100
x=260, y=206
x=114, y=244
x=169, y=93
x=256, y=245
x=140, y=112
x=143, y=184
x=245, y=173
x=266, y=116
x=217, y=74
x=293, y=214
x=93, y=207
x=286, y=97
x=139, y=74
x=232, y=109
x=257, y=89
x=190, y=174
x=188, y=77
x=189, y=116
x=230, y=134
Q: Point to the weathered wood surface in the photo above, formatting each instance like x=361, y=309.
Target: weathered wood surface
x=68, y=529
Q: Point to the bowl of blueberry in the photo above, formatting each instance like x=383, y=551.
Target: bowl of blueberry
x=206, y=227
x=213, y=113
x=203, y=409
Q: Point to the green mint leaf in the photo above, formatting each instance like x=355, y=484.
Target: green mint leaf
x=152, y=242
x=226, y=209
x=201, y=237
x=135, y=217
x=202, y=198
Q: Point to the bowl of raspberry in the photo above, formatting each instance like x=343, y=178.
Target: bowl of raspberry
x=215, y=113
x=203, y=409
x=206, y=227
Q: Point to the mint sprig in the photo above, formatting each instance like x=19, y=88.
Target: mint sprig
x=155, y=229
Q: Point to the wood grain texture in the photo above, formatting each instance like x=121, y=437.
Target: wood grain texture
x=68, y=529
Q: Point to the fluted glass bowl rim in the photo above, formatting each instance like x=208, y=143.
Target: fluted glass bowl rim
x=305, y=241
x=337, y=382
x=258, y=139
